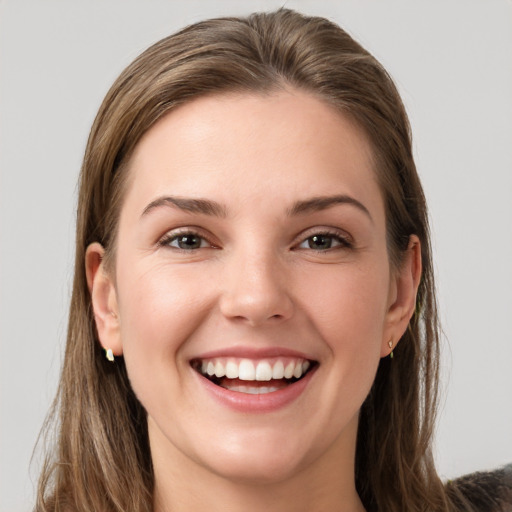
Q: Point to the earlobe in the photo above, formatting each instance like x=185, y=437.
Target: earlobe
x=103, y=299
x=403, y=299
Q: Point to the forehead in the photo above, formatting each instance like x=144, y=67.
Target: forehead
x=252, y=147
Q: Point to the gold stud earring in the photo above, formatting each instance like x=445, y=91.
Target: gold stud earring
x=109, y=355
x=390, y=345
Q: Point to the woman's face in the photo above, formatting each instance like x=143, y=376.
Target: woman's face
x=252, y=242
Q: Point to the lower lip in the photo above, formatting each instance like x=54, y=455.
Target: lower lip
x=266, y=402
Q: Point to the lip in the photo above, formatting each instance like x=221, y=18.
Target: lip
x=253, y=353
x=263, y=403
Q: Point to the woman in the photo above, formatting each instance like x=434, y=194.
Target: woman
x=253, y=322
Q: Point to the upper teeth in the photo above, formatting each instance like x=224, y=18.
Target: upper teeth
x=247, y=369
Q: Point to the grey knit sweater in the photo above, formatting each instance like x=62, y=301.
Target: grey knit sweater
x=487, y=491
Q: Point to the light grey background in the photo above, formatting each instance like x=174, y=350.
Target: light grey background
x=452, y=61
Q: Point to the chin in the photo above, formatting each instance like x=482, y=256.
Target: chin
x=265, y=455
x=261, y=470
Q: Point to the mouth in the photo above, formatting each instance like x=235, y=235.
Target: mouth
x=254, y=377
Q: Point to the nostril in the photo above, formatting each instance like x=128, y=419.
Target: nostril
x=253, y=319
x=256, y=297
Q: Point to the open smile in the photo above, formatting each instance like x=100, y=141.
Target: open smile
x=254, y=377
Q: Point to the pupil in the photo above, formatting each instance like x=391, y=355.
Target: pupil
x=189, y=242
x=320, y=242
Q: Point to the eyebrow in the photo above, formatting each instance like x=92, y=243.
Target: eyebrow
x=203, y=206
x=212, y=208
x=316, y=204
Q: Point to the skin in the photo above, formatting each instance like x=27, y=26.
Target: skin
x=256, y=280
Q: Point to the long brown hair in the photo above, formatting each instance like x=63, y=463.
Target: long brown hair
x=102, y=459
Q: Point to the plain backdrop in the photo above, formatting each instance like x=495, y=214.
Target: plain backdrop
x=452, y=61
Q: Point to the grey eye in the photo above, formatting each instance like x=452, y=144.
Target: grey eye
x=320, y=242
x=323, y=242
x=187, y=242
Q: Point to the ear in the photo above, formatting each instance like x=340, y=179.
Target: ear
x=103, y=298
x=402, y=296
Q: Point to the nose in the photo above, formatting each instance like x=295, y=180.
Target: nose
x=256, y=290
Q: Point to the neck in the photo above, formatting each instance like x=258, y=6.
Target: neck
x=326, y=485
x=231, y=496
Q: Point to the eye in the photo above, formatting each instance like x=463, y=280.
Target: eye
x=324, y=242
x=188, y=241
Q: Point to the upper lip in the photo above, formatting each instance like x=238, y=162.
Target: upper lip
x=253, y=353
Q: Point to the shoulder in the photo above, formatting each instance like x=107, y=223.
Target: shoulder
x=486, y=491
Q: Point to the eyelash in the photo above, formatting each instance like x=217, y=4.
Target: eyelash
x=343, y=241
x=171, y=237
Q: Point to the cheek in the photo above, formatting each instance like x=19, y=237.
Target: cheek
x=349, y=306
x=159, y=311
x=349, y=310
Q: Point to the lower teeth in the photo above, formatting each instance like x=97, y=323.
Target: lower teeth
x=252, y=390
